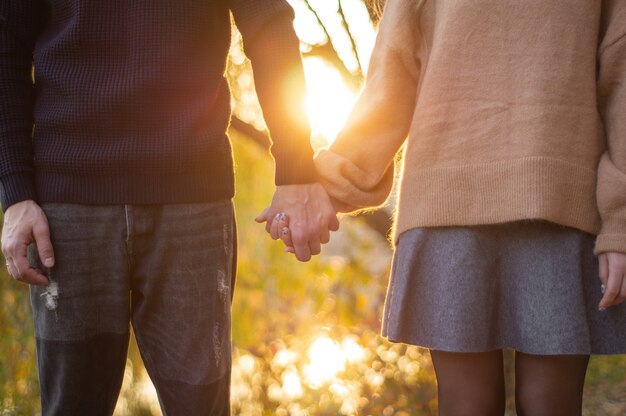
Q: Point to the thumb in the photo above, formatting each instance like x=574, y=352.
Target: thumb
x=262, y=217
x=41, y=233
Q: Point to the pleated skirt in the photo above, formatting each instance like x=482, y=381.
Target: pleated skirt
x=532, y=286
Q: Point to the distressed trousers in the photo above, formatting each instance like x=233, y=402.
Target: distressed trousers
x=167, y=269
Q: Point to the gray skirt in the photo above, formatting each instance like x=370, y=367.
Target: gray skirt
x=531, y=286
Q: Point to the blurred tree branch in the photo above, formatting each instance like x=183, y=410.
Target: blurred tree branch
x=328, y=52
x=371, y=7
x=346, y=27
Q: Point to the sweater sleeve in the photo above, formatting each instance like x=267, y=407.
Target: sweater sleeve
x=274, y=50
x=611, y=189
x=19, y=21
x=358, y=169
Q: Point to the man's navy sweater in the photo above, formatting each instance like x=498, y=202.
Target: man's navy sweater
x=130, y=103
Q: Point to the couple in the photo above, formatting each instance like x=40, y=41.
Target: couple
x=511, y=223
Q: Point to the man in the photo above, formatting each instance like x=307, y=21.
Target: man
x=117, y=181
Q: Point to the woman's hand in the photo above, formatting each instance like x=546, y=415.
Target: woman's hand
x=613, y=277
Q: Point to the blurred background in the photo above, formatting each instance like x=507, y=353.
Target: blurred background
x=305, y=335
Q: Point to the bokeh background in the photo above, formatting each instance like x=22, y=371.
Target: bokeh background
x=305, y=335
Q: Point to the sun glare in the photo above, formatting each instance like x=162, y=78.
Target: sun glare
x=326, y=360
x=328, y=99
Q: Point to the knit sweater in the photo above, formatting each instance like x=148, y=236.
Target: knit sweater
x=513, y=110
x=129, y=102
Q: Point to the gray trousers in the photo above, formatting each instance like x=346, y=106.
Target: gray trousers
x=168, y=269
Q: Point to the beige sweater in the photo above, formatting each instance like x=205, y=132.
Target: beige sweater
x=514, y=109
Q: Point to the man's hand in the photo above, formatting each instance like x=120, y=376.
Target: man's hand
x=613, y=277
x=310, y=213
x=26, y=223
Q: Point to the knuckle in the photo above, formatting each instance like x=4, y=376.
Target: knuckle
x=41, y=229
x=298, y=238
x=10, y=249
x=299, y=242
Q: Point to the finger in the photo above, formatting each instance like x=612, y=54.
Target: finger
x=603, y=263
x=276, y=227
x=612, y=290
x=324, y=236
x=41, y=233
x=270, y=221
x=285, y=236
x=315, y=246
x=303, y=253
x=283, y=228
x=283, y=220
x=23, y=271
x=262, y=217
x=333, y=224
x=622, y=295
x=301, y=246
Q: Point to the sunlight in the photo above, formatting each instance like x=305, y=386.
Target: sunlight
x=326, y=359
x=328, y=99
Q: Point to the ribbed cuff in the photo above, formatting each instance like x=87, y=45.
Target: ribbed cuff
x=609, y=239
x=610, y=243
x=15, y=188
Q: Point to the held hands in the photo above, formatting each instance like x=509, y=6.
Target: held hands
x=26, y=223
x=302, y=216
x=613, y=278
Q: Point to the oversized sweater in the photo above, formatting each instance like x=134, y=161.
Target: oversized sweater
x=129, y=103
x=513, y=110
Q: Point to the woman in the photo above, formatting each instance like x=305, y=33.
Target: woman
x=514, y=174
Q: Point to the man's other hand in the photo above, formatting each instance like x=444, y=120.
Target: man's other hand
x=26, y=223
